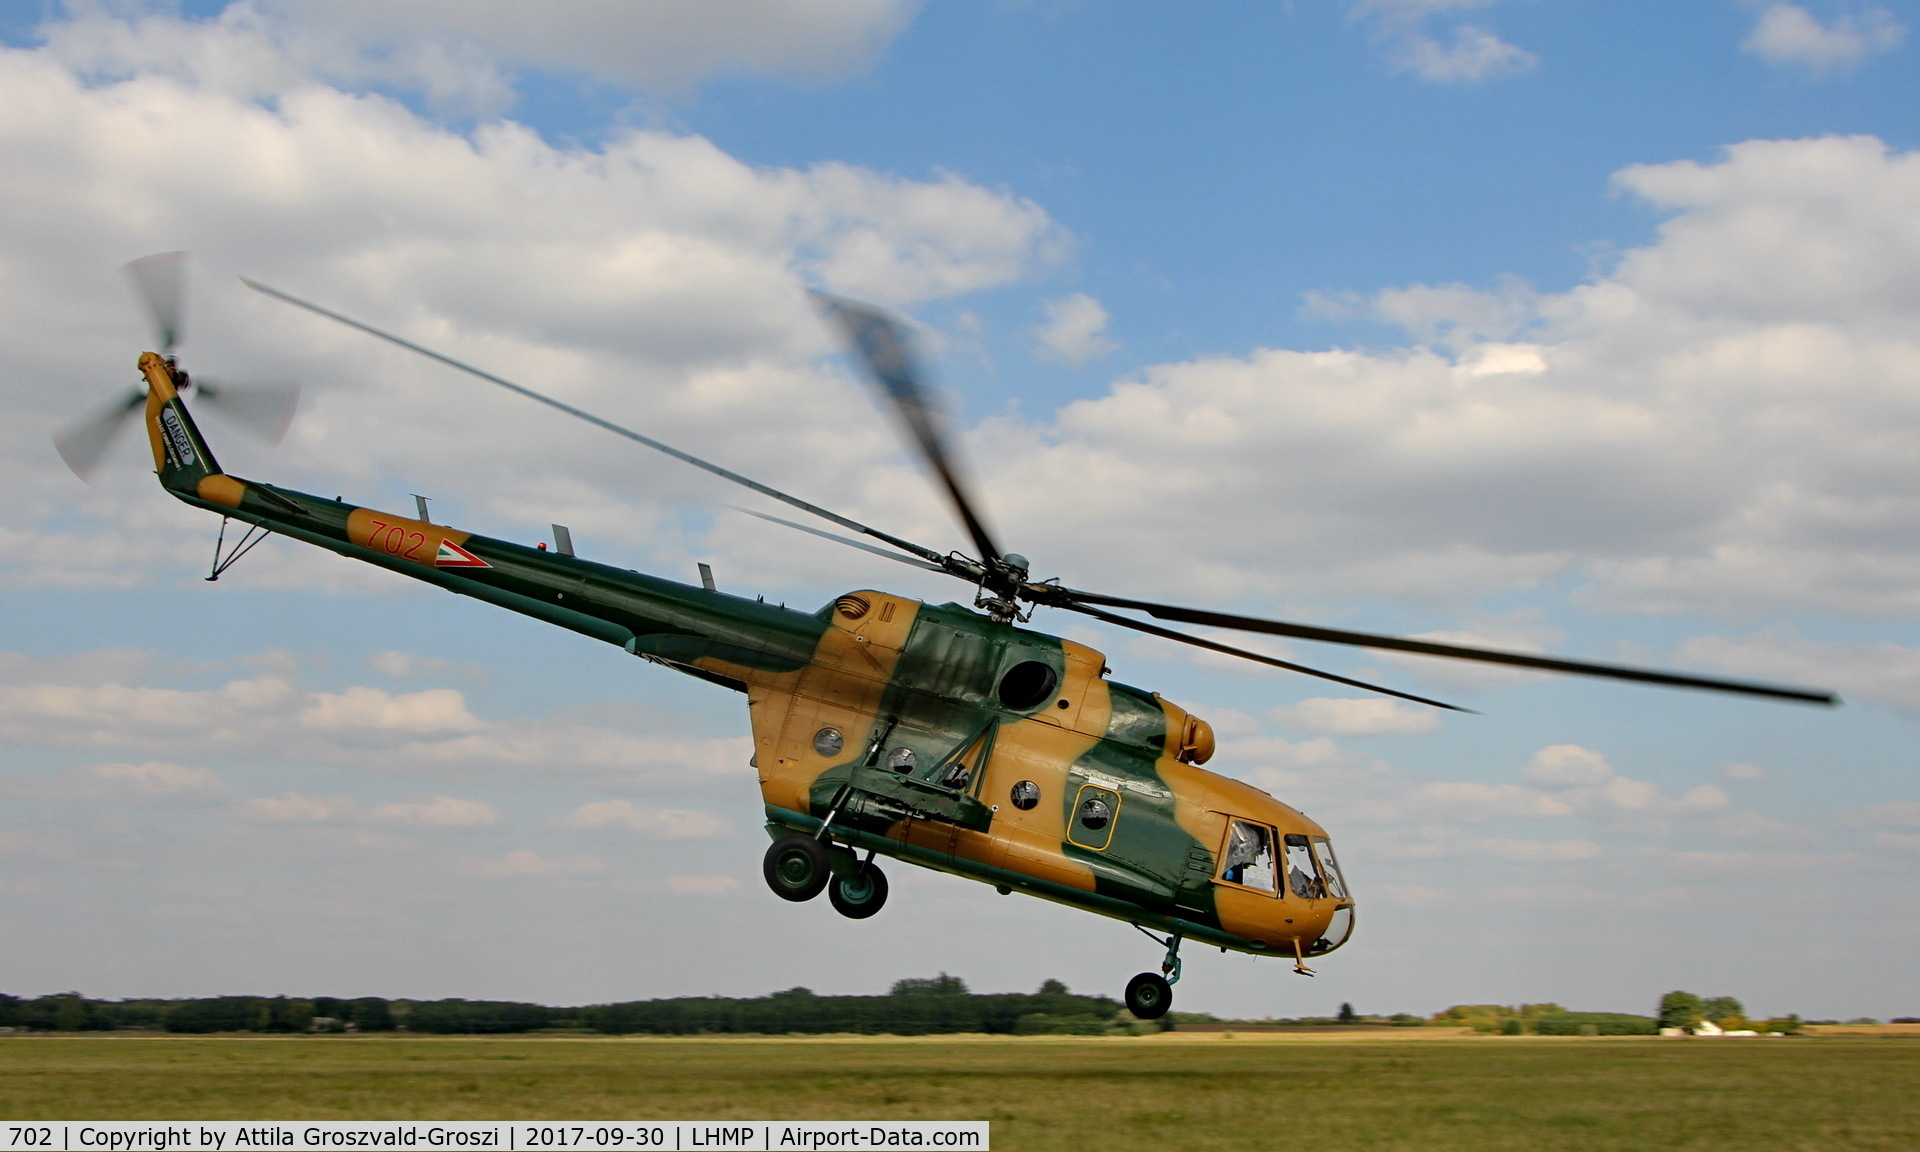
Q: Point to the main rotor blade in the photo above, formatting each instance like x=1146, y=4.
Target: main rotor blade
x=161, y=281
x=266, y=410
x=883, y=346
x=1199, y=642
x=1456, y=651
x=927, y=554
x=839, y=539
x=83, y=443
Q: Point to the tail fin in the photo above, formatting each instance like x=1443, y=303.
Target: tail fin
x=180, y=455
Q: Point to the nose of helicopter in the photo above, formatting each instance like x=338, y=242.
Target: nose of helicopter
x=1301, y=908
x=1324, y=886
x=1339, y=928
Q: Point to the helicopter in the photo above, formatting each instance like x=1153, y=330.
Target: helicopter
x=946, y=736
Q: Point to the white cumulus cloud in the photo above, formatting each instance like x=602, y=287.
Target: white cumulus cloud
x=526, y=862
x=413, y=666
x=652, y=277
x=1341, y=716
x=461, y=56
x=665, y=823
x=432, y=710
x=1721, y=423
x=127, y=783
x=439, y=812
x=299, y=808
x=1789, y=34
x=1424, y=38
x=1075, y=331
x=658, y=43
x=106, y=703
x=1583, y=779
x=1880, y=671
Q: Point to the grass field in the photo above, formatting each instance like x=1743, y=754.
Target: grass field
x=1199, y=1092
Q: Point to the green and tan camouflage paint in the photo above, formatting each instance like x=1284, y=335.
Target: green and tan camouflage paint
x=882, y=670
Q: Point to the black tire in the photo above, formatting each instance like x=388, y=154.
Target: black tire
x=1149, y=996
x=796, y=868
x=860, y=895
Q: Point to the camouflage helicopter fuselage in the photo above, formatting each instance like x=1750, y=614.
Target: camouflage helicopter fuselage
x=930, y=734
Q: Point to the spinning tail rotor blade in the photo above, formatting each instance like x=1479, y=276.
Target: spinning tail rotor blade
x=1077, y=600
x=161, y=282
x=83, y=443
x=884, y=348
x=266, y=410
x=1199, y=642
x=934, y=558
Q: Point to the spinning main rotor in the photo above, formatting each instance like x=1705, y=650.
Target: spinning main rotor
x=1006, y=590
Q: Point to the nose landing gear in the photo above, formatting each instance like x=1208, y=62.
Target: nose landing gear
x=1150, y=995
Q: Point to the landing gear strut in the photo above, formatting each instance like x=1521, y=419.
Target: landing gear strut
x=1150, y=995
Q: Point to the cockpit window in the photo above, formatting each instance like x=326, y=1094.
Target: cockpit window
x=1302, y=876
x=1330, y=868
x=1249, y=856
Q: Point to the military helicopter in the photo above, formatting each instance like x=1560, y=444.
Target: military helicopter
x=943, y=736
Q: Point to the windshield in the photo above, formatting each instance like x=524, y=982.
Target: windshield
x=1302, y=876
x=1330, y=868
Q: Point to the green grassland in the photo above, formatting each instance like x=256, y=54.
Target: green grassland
x=1188, y=1091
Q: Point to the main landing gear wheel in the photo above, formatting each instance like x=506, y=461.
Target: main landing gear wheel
x=1149, y=996
x=860, y=895
x=796, y=868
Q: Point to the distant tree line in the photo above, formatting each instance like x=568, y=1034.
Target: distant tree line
x=1677, y=1010
x=913, y=1007
x=1545, y=1020
x=1346, y=1016
x=1686, y=1010
x=72, y=1012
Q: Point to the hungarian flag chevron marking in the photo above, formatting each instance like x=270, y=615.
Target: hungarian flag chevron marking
x=451, y=555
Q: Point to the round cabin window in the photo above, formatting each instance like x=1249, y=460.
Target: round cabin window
x=900, y=760
x=1027, y=684
x=1094, y=813
x=1025, y=795
x=828, y=741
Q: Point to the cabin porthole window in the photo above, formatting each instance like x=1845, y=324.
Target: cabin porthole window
x=1027, y=684
x=829, y=742
x=1025, y=795
x=1095, y=813
x=900, y=760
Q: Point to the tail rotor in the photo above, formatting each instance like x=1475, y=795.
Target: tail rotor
x=161, y=281
x=262, y=410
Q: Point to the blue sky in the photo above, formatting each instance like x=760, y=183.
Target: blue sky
x=1534, y=322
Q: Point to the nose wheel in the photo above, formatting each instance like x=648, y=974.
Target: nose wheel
x=1150, y=994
